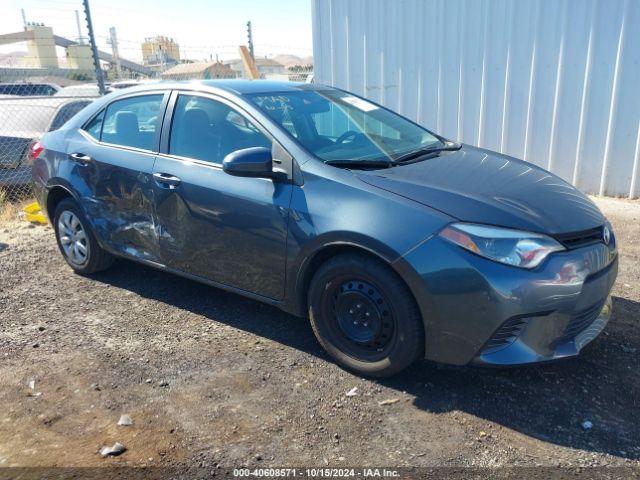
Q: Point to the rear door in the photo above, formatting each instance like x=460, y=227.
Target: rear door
x=112, y=157
x=232, y=230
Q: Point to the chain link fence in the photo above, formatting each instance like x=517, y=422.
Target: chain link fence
x=37, y=102
x=24, y=120
x=300, y=73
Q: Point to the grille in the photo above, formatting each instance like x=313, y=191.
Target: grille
x=580, y=322
x=580, y=239
x=505, y=335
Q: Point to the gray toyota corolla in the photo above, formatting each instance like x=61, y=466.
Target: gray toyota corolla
x=396, y=242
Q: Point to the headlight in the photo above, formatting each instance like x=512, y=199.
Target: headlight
x=608, y=237
x=513, y=247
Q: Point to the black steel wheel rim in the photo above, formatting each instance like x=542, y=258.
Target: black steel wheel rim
x=362, y=323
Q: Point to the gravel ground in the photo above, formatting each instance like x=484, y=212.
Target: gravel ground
x=214, y=380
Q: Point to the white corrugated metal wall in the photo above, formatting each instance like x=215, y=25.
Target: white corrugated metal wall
x=556, y=82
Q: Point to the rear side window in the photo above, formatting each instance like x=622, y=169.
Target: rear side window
x=130, y=122
x=94, y=127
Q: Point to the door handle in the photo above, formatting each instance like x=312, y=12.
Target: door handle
x=80, y=158
x=166, y=179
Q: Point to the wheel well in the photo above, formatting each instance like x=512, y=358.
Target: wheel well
x=55, y=196
x=318, y=259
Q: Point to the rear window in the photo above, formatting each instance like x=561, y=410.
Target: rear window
x=66, y=113
x=27, y=89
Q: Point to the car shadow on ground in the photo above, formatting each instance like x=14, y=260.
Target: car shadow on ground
x=549, y=402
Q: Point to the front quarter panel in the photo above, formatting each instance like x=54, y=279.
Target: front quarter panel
x=334, y=208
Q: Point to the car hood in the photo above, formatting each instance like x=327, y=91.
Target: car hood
x=480, y=186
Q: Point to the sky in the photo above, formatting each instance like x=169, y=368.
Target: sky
x=201, y=27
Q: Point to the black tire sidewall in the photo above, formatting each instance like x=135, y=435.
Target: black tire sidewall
x=408, y=341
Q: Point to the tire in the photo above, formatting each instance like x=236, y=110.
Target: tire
x=364, y=316
x=76, y=240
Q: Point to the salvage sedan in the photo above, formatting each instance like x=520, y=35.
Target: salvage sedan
x=396, y=242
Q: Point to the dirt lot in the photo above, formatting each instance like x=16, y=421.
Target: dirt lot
x=212, y=379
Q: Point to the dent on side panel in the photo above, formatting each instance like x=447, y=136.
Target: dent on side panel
x=232, y=230
x=116, y=191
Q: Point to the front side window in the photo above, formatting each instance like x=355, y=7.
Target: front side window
x=208, y=130
x=133, y=122
x=335, y=125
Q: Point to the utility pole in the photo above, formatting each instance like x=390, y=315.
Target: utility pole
x=94, y=49
x=24, y=18
x=80, y=37
x=250, y=39
x=113, y=41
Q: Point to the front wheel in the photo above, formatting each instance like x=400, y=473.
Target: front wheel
x=363, y=314
x=76, y=241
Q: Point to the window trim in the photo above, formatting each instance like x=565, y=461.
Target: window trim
x=161, y=114
x=83, y=129
x=168, y=121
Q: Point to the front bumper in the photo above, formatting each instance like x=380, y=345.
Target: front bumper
x=545, y=338
x=483, y=312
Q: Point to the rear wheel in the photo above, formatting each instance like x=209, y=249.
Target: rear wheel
x=76, y=241
x=364, y=316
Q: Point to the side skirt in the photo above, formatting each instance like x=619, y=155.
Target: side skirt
x=206, y=281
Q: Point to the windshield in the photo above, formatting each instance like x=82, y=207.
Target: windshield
x=335, y=125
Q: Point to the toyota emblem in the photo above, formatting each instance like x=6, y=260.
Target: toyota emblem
x=606, y=235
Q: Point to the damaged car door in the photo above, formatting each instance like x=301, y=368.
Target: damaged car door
x=224, y=228
x=114, y=155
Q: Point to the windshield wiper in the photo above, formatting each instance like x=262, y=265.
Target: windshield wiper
x=423, y=152
x=360, y=163
x=414, y=155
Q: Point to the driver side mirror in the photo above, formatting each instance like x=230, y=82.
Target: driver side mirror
x=255, y=162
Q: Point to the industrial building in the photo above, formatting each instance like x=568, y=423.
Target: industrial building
x=41, y=57
x=198, y=71
x=160, y=51
x=553, y=82
x=267, y=67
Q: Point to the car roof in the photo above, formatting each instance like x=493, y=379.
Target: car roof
x=233, y=86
